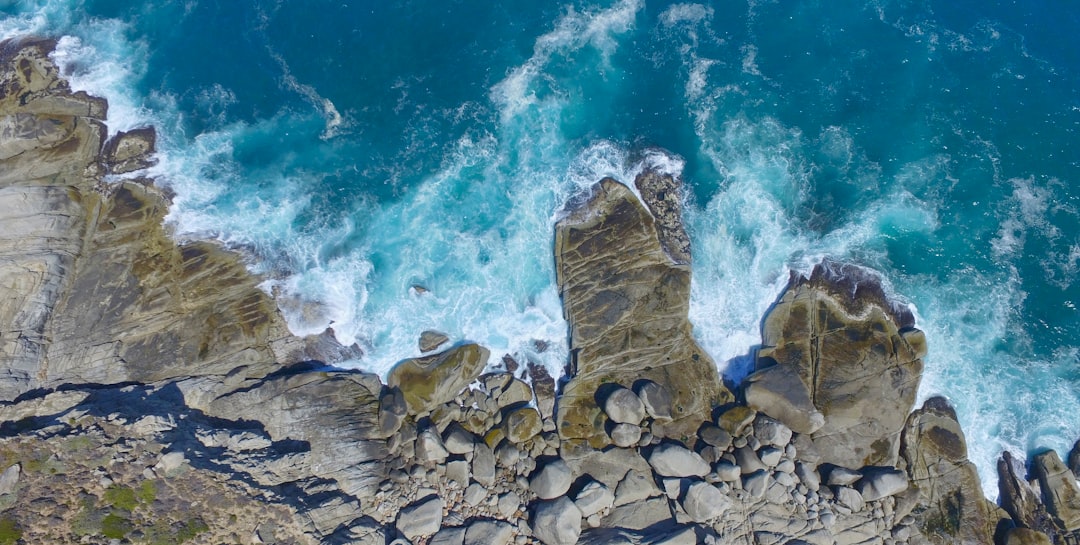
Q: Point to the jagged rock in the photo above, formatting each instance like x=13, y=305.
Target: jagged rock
x=551, y=480
x=543, y=386
x=488, y=532
x=655, y=398
x=594, y=498
x=1017, y=497
x=458, y=471
x=703, y=502
x=857, y=354
x=807, y=475
x=625, y=435
x=521, y=424
x=515, y=393
x=624, y=407
x=556, y=522
x=1074, y=459
x=850, y=497
x=1059, y=490
x=431, y=340
x=947, y=491
x=879, y=483
x=662, y=194
x=129, y=151
x=421, y=518
x=429, y=447
x=431, y=380
x=9, y=478
x=1025, y=536
x=627, y=303
x=671, y=460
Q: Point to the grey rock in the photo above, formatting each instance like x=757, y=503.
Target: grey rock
x=756, y=483
x=771, y=432
x=703, y=502
x=515, y=393
x=458, y=472
x=507, y=454
x=842, y=476
x=727, y=471
x=850, y=497
x=624, y=407
x=808, y=475
x=635, y=486
x=556, y=522
x=1060, y=491
x=715, y=436
x=508, y=504
x=9, y=479
x=882, y=483
x=458, y=440
x=483, y=465
x=748, y=460
x=489, y=532
x=421, y=518
x=770, y=456
x=594, y=498
x=655, y=398
x=475, y=494
x=640, y=514
x=429, y=447
x=522, y=424
x=449, y=536
x=625, y=435
x=552, y=480
x=671, y=460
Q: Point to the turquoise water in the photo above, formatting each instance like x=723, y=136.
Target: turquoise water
x=359, y=150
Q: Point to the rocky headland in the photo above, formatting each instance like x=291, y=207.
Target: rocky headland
x=150, y=392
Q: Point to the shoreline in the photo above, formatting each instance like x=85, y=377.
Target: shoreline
x=128, y=336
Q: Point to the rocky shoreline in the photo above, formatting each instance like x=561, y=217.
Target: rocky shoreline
x=151, y=393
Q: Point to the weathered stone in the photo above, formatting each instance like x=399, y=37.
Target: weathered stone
x=508, y=504
x=429, y=447
x=625, y=435
x=458, y=440
x=655, y=398
x=770, y=456
x=1025, y=536
x=842, y=476
x=946, y=491
x=850, y=497
x=736, y=419
x=521, y=424
x=1059, y=490
x=756, y=483
x=637, y=485
x=392, y=411
x=483, y=465
x=489, y=532
x=703, y=502
x=671, y=460
x=727, y=471
x=431, y=340
x=594, y=498
x=475, y=493
x=454, y=535
x=857, y=354
x=517, y=392
x=431, y=380
x=624, y=407
x=640, y=514
x=808, y=476
x=715, y=436
x=551, y=480
x=627, y=303
x=543, y=385
x=878, y=483
x=1017, y=497
x=748, y=460
x=556, y=522
x=129, y=151
x=9, y=479
x=771, y=432
x=421, y=518
x=458, y=471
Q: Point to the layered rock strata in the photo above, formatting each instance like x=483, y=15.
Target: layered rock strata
x=151, y=393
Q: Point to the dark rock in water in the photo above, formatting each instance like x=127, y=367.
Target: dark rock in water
x=856, y=353
x=129, y=151
x=949, y=501
x=1059, y=489
x=1018, y=498
x=431, y=380
x=662, y=194
x=627, y=302
x=1074, y=459
x=544, y=388
x=431, y=340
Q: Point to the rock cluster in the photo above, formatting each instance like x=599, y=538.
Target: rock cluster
x=151, y=392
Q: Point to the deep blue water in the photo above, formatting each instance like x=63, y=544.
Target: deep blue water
x=358, y=149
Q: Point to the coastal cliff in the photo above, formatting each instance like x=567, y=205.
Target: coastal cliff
x=151, y=393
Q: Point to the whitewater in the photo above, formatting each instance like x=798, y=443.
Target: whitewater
x=392, y=169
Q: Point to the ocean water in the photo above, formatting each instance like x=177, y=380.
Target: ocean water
x=392, y=167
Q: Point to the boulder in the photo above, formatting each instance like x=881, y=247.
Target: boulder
x=488, y=532
x=129, y=151
x=432, y=380
x=458, y=440
x=556, y=522
x=771, y=432
x=856, y=353
x=429, y=447
x=521, y=424
x=626, y=301
x=637, y=485
x=392, y=411
x=703, y=502
x=543, y=386
x=878, y=483
x=671, y=460
x=594, y=498
x=483, y=465
x=421, y=518
x=655, y=398
x=735, y=419
x=454, y=535
x=516, y=392
x=9, y=478
x=624, y=407
x=1022, y=503
x=845, y=495
x=948, y=499
x=1059, y=490
x=842, y=476
x=551, y=480
x=714, y=436
x=625, y=435
x=431, y=340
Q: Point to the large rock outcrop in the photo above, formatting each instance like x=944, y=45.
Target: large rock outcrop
x=834, y=343
x=626, y=298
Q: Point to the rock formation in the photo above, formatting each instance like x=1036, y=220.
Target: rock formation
x=150, y=392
